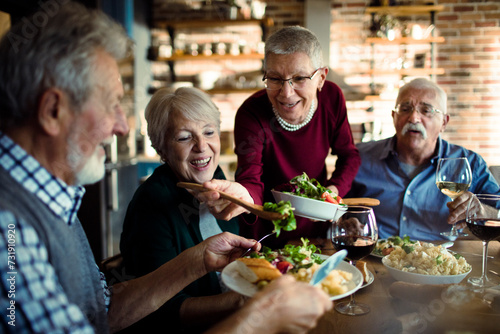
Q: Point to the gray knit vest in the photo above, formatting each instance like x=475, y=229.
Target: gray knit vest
x=68, y=250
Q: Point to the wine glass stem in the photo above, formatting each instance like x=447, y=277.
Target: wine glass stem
x=352, y=302
x=485, y=259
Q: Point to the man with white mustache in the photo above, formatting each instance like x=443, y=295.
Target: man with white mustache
x=400, y=171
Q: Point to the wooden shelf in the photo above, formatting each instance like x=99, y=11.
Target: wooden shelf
x=268, y=22
x=250, y=56
x=409, y=71
x=404, y=10
x=405, y=40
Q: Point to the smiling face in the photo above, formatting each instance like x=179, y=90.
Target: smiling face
x=417, y=134
x=193, y=148
x=101, y=117
x=293, y=105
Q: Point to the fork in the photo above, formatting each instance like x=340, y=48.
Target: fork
x=267, y=235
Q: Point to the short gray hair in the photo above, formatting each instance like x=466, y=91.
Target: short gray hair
x=426, y=84
x=191, y=102
x=58, y=50
x=293, y=39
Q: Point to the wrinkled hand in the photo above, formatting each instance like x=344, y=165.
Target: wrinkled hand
x=333, y=189
x=458, y=209
x=295, y=307
x=219, y=207
x=223, y=248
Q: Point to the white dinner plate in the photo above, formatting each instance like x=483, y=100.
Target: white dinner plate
x=233, y=280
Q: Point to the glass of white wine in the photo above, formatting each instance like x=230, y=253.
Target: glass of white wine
x=453, y=178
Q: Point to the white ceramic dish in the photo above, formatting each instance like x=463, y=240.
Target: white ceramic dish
x=311, y=208
x=405, y=276
x=235, y=282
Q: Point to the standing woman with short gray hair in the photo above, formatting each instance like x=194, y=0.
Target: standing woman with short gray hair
x=291, y=127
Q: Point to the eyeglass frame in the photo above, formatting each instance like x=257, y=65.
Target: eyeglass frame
x=434, y=110
x=290, y=80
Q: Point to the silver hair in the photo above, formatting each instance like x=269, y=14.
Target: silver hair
x=293, y=39
x=426, y=84
x=55, y=47
x=189, y=102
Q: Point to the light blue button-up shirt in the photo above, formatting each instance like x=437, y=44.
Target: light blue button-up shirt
x=413, y=207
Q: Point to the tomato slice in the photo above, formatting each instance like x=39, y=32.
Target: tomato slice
x=284, y=266
x=329, y=198
x=339, y=199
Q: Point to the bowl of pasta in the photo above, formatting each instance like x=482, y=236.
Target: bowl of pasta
x=426, y=263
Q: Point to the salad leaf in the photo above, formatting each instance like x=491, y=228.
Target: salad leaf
x=301, y=256
x=302, y=185
x=407, y=248
x=309, y=188
x=284, y=208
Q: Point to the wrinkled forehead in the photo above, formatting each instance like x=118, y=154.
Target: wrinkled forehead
x=419, y=96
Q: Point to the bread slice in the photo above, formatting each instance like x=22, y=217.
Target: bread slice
x=361, y=265
x=256, y=270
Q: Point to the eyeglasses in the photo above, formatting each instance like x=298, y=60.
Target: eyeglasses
x=273, y=83
x=424, y=109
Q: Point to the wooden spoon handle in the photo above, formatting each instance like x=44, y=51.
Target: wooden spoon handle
x=256, y=209
x=361, y=201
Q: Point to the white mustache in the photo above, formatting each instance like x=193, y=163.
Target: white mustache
x=414, y=127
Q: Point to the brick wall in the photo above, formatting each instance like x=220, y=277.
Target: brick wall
x=470, y=56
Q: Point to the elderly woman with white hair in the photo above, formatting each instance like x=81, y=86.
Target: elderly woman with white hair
x=163, y=220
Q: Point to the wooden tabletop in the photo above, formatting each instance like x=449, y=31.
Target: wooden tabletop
x=424, y=309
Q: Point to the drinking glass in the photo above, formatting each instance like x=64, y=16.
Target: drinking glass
x=483, y=220
x=355, y=231
x=453, y=178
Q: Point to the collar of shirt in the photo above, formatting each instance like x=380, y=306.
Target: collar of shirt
x=62, y=199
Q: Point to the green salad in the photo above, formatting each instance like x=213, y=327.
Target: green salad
x=284, y=208
x=302, y=185
x=291, y=257
x=386, y=246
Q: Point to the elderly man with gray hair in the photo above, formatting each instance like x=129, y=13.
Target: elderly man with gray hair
x=401, y=171
x=60, y=92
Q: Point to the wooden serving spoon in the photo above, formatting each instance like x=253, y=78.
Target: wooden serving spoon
x=366, y=201
x=256, y=209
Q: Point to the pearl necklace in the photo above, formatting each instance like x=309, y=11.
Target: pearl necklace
x=294, y=127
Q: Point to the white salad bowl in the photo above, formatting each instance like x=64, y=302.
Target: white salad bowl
x=409, y=277
x=311, y=208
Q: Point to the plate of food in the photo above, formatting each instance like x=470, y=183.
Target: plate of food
x=386, y=246
x=310, y=199
x=250, y=274
x=426, y=263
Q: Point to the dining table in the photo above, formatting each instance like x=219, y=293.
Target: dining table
x=401, y=307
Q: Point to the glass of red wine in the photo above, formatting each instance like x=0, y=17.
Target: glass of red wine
x=483, y=220
x=355, y=231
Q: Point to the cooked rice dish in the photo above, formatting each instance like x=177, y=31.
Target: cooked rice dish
x=427, y=259
x=334, y=284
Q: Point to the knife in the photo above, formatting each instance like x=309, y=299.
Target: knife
x=327, y=266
